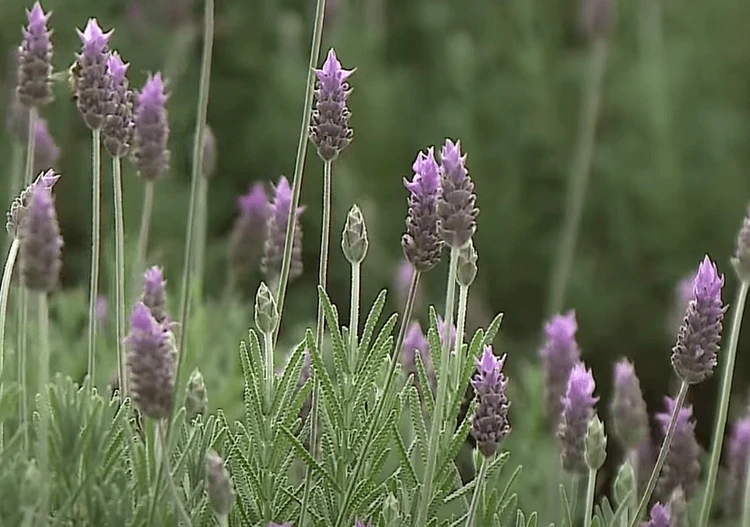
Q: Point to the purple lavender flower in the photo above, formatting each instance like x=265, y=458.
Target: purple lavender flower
x=41, y=243
x=681, y=468
x=489, y=424
x=90, y=80
x=151, y=130
x=329, y=128
x=645, y=461
x=578, y=410
x=694, y=354
x=277, y=224
x=250, y=232
x=457, y=202
x=737, y=453
x=559, y=354
x=421, y=244
x=117, y=130
x=154, y=295
x=741, y=259
x=629, y=414
x=19, y=205
x=34, y=87
x=151, y=363
x=659, y=517
x=46, y=152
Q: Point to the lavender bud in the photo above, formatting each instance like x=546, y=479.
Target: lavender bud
x=694, y=354
x=659, y=517
x=46, y=152
x=196, y=398
x=421, y=244
x=117, y=131
x=220, y=488
x=250, y=231
x=41, y=243
x=629, y=414
x=21, y=203
x=150, y=360
x=457, y=202
x=151, y=130
x=595, y=444
x=467, y=265
x=559, y=354
x=578, y=410
x=266, y=315
x=738, y=451
x=596, y=18
x=354, y=241
x=678, y=509
x=489, y=424
x=329, y=127
x=208, y=167
x=741, y=259
x=681, y=468
x=91, y=81
x=34, y=87
x=154, y=295
x=277, y=225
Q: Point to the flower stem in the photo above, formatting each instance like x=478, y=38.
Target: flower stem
x=478, y=489
x=43, y=391
x=380, y=404
x=96, y=172
x=119, y=275
x=16, y=172
x=590, y=488
x=579, y=176
x=23, y=396
x=148, y=207
x=10, y=263
x=663, y=451
x=268, y=344
x=354, y=317
x=721, y=416
x=200, y=245
x=168, y=474
x=437, y=416
x=459, y=359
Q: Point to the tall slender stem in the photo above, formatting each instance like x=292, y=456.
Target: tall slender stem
x=437, y=417
x=354, y=316
x=148, y=207
x=459, y=359
x=119, y=275
x=168, y=474
x=16, y=172
x=721, y=416
x=201, y=221
x=268, y=344
x=43, y=391
x=579, y=176
x=478, y=489
x=590, y=488
x=663, y=451
x=380, y=404
x=10, y=263
x=96, y=172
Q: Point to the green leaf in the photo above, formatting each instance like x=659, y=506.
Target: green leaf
x=417, y=422
x=492, y=329
x=307, y=459
x=520, y=519
x=252, y=400
x=287, y=385
x=424, y=383
x=369, y=329
x=595, y=522
x=433, y=339
x=334, y=329
x=448, y=456
x=407, y=471
x=566, y=520
x=331, y=402
x=532, y=520
x=507, y=512
x=622, y=511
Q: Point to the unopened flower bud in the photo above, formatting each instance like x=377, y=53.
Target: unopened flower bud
x=266, y=314
x=595, y=444
x=467, y=265
x=196, y=399
x=220, y=488
x=354, y=238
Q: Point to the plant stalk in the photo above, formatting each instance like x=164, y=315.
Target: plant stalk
x=459, y=358
x=10, y=263
x=478, y=489
x=268, y=344
x=201, y=227
x=148, y=207
x=354, y=317
x=119, y=276
x=16, y=173
x=44, y=409
x=590, y=490
x=181, y=512
x=95, y=248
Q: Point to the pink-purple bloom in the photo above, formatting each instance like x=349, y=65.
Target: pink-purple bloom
x=154, y=295
x=117, y=131
x=629, y=414
x=741, y=259
x=40, y=242
x=151, y=130
x=559, y=354
x=578, y=410
x=277, y=225
x=456, y=208
x=422, y=244
x=659, y=517
x=489, y=424
x=250, y=232
x=682, y=468
x=34, y=88
x=329, y=127
x=736, y=460
x=91, y=79
x=46, y=152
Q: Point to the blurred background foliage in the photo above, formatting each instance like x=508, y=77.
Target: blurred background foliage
x=669, y=179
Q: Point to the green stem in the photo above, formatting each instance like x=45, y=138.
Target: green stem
x=223, y=520
x=200, y=245
x=726, y=390
x=168, y=474
x=16, y=172
x=10, y=263
x=437, y=417
x=354, y=317
x=590, y=488
x=43, y=391
x=96, y=172
x=478, y=489
x=156, y=487
x=380, y=404
x=268, y=344
x=140, y=258
x=459, y=359
x=119, y=275
x=579, y=176
x=663, y=451
x=23, y=396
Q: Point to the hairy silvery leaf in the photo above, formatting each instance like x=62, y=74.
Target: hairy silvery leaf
x=252, y=399
x=419, y=428
x=566, y=520
x=286, y=387
x=507, y=512
x=329, y=400
x=373, y=317
x=337, y=340
x=532, y=520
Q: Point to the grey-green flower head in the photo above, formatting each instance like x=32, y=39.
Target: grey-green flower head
x=595, y=444
x=220, y=488
x=266, y=314
x=196, y=398
x=467, y=265
x=354, y=241
x=741, y=259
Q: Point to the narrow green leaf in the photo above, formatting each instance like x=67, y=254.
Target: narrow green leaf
x=370, y=323
x=408, y=472
x=507, y=512
x=307, y=459
x=622, y=511
x=417, y=422
x=424, y=383
x=511, y=480
x=448, y=456
x=520, y=519
x=433, y=339
x=532, y=520
x=334, y=329
x=492, y=329
x=566, y=520
x=331, y=402
x=252, y=400
x=287, y=385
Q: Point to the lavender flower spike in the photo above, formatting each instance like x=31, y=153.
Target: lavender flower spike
x=154, y=295
x=421, y=244
x=738, y=451
x=694, y=354
x=489, y=424
x=151, y=364
x=19, y=205
x=457, y=203
x=277, y=224
x=250, y=232
x=34, y=87
x=329, y=127
x=151, y=130
x=41, y=243
x=681, y=468
x=629, y=414
x=578, y=410
x=741, y=259
x=46, y=152
x=90, y=80
x=559, y=354
x=659, y=517
x=117, y=131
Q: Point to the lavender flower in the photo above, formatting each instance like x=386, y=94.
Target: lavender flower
x=741, y=259
x=41, y=243
x=151, y=130
x=694, y=354
x=46, y=152
x=90, y=78
x=250, y=232
x=220, y=488
x=329, y=127
x=578, y=410
x=489, y=424
x=117, y=130
x=154, y=295
x=559, y=354
x=277, y=225
x=421, y=244
x=681, y=468
x=456, y=204
x=196, y=398
x=151, y=363
x=659, y=517
x=19, y=205
x=737, y=453
x=34, y=87
x=354, y=242
x=629, y=414
x=209, y=153
x=646, y=459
